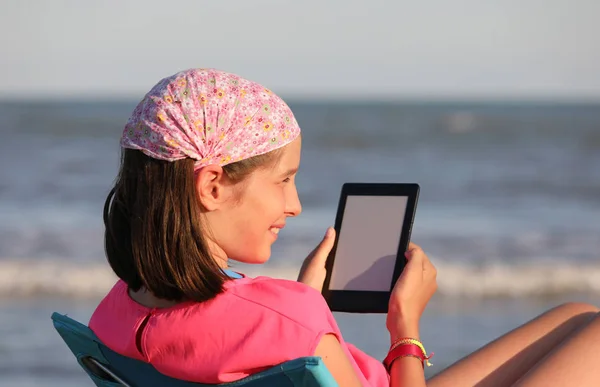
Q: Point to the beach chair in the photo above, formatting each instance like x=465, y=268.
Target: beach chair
x=107, y=368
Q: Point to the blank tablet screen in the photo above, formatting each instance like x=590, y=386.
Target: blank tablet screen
x=368, y=243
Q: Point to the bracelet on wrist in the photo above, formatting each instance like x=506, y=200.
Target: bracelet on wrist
x=405, y=347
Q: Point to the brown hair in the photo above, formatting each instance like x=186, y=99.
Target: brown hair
x=153, y=227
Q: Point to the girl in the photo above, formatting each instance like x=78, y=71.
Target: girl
x=207, y=175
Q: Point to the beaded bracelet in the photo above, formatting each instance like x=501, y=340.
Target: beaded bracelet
x=408, y=340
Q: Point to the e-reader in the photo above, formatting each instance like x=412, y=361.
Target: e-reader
x=373, y=227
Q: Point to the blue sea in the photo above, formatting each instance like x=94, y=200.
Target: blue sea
x=508, y=212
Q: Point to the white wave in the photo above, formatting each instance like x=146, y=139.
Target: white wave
x=530, y=279
x=28, y=278
x=61, y=278
x=64, y=278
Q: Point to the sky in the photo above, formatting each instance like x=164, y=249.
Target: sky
x=498, y=49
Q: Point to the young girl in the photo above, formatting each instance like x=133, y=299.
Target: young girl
x=207, y=175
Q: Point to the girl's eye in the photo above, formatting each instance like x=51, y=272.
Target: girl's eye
x=286, y=180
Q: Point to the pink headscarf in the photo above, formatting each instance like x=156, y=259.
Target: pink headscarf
x=210, y=116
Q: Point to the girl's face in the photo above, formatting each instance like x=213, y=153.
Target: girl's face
x=246, y=225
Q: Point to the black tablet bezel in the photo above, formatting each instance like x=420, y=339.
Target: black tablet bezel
x=352, y=301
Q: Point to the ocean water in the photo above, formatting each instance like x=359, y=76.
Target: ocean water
x=508, y=212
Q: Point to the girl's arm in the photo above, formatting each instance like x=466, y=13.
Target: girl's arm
x=336, y=361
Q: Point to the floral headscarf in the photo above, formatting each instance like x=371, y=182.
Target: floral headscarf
x=210, y=116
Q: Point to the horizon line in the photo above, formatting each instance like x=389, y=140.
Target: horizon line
x=331, y=98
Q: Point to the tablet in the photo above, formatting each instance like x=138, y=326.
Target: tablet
x=373, y=226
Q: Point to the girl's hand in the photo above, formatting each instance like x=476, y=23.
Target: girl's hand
x=411, y=293
x=312, y=272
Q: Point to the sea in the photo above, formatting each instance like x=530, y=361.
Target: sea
x=508, y=212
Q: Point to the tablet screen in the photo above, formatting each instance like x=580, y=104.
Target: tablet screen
x=368, y=243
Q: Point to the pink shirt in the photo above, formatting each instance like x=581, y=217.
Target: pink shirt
x=255, y=324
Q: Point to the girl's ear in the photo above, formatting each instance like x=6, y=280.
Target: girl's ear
x=212, y=187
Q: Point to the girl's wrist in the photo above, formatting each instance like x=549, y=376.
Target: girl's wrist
x=404, y=331
x=412, y=334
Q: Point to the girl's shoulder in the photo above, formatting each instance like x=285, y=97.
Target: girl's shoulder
x=260, y=297
x=291, y=299
x=269, y=286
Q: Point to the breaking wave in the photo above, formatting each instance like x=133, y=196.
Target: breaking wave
x=68, y=279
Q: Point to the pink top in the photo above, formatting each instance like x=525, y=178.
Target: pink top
x=255, y=324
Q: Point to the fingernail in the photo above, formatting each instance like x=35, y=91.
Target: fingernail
x=329, y=232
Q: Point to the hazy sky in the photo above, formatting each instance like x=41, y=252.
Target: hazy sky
x=463, y=48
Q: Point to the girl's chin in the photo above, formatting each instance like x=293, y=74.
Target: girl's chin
x=257, y=259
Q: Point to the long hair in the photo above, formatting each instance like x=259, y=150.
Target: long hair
x=154, y=233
